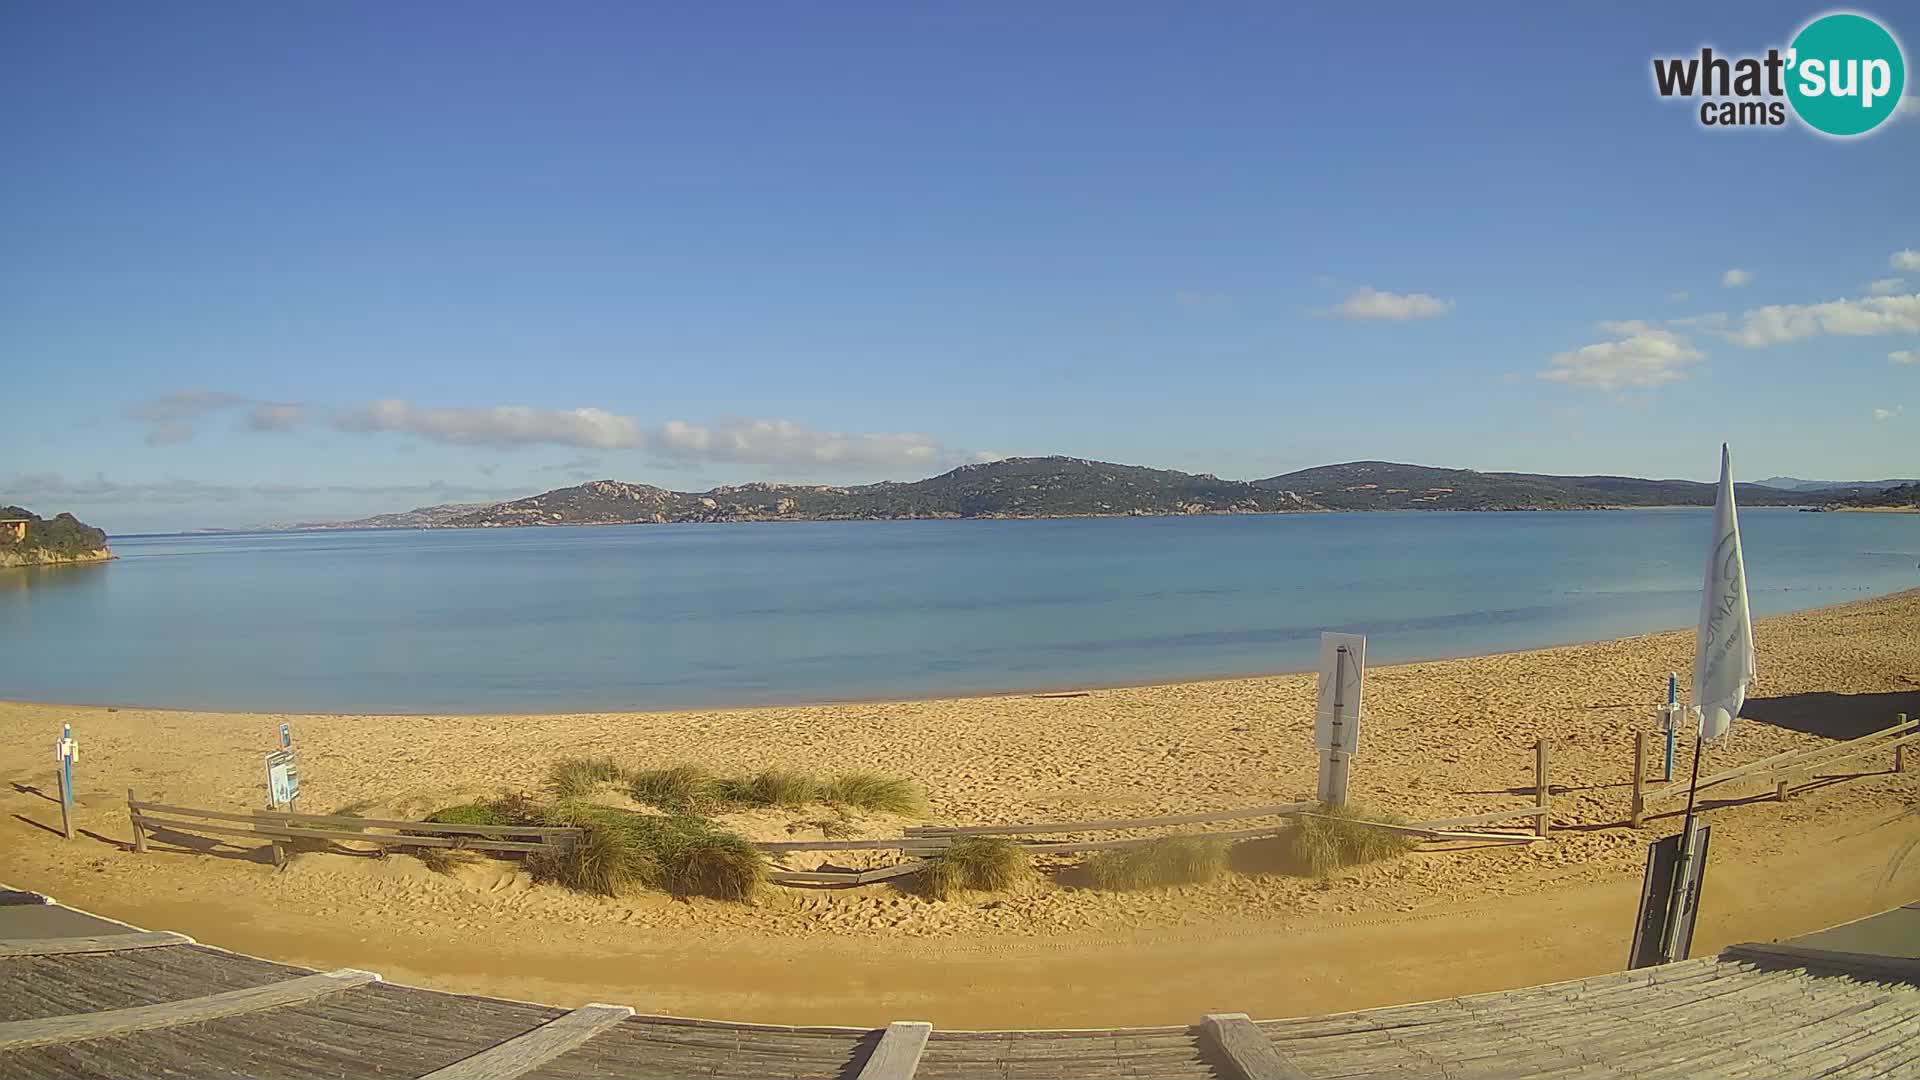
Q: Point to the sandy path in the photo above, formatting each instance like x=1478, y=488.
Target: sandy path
x=1441, y=738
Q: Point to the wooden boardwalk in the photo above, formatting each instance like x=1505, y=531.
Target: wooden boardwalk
x=83, y=997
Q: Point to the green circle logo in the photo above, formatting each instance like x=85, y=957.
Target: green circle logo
x=1845, y=74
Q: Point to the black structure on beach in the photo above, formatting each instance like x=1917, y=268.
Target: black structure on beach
x=85, y=997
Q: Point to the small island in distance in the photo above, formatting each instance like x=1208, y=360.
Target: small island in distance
x=1044, y=487
x=27, y=539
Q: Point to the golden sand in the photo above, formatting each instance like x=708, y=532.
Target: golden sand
x=1440, y=739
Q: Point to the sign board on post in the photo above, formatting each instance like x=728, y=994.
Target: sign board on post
x=283, y=779
x=1336, y=715
x=65, y=752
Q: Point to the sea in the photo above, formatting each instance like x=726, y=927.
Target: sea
x=692, y=616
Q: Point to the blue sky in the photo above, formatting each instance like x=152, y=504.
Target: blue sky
x=267, y=263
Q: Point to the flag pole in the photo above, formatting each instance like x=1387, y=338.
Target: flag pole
x=1683, y=872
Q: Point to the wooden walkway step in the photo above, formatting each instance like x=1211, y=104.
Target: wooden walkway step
x=18, y=1034
x=1249, y=1050
x=519, y=1056
x=68, y=946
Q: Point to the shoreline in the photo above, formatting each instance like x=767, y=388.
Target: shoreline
x=1042, y=691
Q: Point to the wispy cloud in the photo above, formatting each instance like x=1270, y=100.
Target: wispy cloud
x=1678, y=296
x=1368, y=302
x=1904, y=259
x=1777, y=323
x=1641, y=357
x=1886, y=286
x=500, y=425
x=1904, y=356
x=1888, y=414
x=779, y=442
x=1736, y=277
x=58, y=488
x=172, y=419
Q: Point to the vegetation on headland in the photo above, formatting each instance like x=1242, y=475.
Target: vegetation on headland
x=1904, y=497
x=1043, y=487
x=60, y=539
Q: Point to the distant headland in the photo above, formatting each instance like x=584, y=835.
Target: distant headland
x=27, y=539
x=1053, y=487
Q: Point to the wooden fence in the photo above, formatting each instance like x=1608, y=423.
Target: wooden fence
x=1785, y=771
x=281, y=827
x=920, y=844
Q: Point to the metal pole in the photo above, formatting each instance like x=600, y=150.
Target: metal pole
x=1673, y=721
x=1684, y=871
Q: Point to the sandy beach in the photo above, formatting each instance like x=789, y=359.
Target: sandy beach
x=1440, y=739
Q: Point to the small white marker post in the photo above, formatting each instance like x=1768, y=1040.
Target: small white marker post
x=66, y=751
x=1337, y=711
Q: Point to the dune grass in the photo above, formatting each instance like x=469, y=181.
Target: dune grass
x=693, y=789
x=1172, y=860
x=1338, y=836
x=976, y=864
x=876, y=793
x=679, y=789
x=574, y=777
x=620, y=850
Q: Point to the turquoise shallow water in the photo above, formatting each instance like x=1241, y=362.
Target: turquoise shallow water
x=636, y=617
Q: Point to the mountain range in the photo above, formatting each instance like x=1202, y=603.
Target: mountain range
x=1074, y=487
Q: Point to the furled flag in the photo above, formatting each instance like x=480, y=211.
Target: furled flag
x=1723, y=656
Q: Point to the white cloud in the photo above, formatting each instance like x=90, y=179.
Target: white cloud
x=1908, y=108
x=1904, y=356
x=1678, y=296
x=1888, y=414
x=1905, y=259
x=1736, y=277
x=500, y=425
x=1779, y=323
x=778, y=442
x=1886, y=286
x=270, y=416
x=1367, y=302
x=1642, y=357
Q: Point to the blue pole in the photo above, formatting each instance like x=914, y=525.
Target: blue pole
x=66, y=781
x=1673, y=719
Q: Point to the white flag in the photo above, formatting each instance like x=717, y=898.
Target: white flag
x=1723, y=655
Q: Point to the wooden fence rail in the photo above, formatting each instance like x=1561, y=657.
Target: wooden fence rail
x=1784, y=770
x=280, y=827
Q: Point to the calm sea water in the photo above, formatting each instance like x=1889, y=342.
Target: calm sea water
x=652, y=616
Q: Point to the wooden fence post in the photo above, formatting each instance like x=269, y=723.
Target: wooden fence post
x=139, y=832
x=1637, y=817
x=1782, y=784
x=1900, y=752
x=1541, y=789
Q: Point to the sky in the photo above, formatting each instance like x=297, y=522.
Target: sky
x=269, y=263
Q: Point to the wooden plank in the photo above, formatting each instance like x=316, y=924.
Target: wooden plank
x=845, y=877
x=1637, y=809
x=282, y=833
x=1044, y=847
x=525, y=1053
x=1869, y=965
x=1247, y=1049
x=897, y=1054
x=1111, y=824
x=98, y=943
x=890, y=844
x=18, y=1034
x=1481, y=819
x=282, y=816
x=139, y=834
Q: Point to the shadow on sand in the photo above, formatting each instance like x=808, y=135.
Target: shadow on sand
x=1833, y=716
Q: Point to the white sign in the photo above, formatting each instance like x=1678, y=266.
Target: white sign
x=283, y=778
x=1336, y=714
